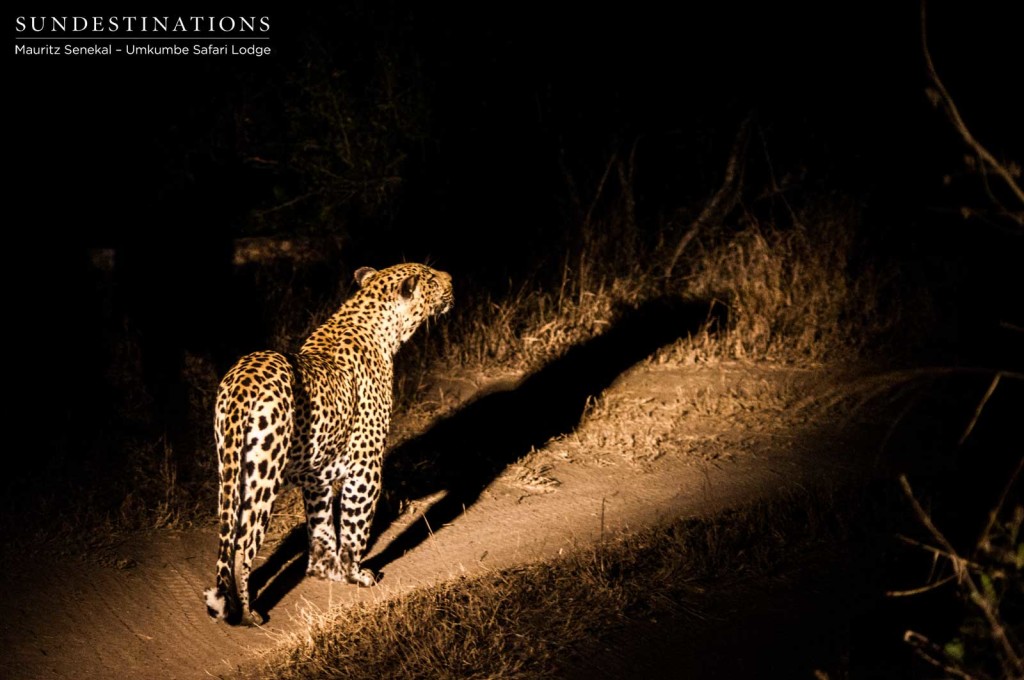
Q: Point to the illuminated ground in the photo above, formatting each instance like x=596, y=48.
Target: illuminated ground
x=661, y=443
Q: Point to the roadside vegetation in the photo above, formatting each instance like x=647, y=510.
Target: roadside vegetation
x=537, y=620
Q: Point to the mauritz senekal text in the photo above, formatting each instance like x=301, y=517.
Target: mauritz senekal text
x=57, y=50
x=146, y=50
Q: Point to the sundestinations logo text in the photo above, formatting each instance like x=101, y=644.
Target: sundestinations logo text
x=145, y=36
x=123, y=25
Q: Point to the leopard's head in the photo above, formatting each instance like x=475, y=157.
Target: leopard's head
x=414, y=292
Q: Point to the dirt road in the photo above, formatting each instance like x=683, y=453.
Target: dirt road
x=660, y=443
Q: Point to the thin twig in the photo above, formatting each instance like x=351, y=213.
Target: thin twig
x=727, y=193
x=1002, y=501
x=287, y=203
x=600, y=190
x=919, y=591
x=890, y=432
x=775, y=188
x=981, y=406
x=928, y=651
x=876, y=385
x=938, y=552
x=626, y=174
x=958, y=122
x=926, y=520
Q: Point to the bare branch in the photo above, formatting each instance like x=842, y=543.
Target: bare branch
x=727, y=194
x=953, y=113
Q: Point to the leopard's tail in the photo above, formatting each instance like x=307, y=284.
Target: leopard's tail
x=253, y=429
x=231, y=430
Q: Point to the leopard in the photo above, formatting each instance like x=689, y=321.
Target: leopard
x=316, y=419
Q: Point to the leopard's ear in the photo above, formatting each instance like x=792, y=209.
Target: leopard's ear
x=409, y=286
x=363, y=274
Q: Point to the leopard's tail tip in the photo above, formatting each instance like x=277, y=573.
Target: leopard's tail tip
x=217, y=604
x=223, y=605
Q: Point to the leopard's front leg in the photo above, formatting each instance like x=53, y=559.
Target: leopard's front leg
x=358, y=501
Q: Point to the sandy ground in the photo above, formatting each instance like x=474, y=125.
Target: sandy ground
x=658, y=444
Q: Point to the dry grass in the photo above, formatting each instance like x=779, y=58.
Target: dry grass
x=535, y=323
x=792, y=293
x=529, y=621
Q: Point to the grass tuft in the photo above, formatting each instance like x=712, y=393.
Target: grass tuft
x=792, y=293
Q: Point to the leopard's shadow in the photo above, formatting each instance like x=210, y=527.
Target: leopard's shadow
x=284, y=569
x=463, y=453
